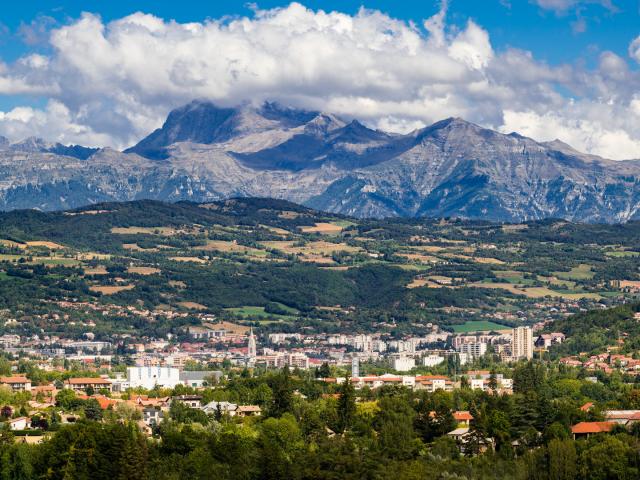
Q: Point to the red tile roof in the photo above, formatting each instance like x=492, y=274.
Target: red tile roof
x=90, y=380
x=462, y=416
x=14, y=380
x=592, y=427
x=431, y=377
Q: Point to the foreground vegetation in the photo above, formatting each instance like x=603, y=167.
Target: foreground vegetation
x=312, y=430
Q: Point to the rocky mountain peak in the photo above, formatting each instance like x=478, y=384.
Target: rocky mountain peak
x=453, y=168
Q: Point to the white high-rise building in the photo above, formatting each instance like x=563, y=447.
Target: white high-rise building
x=521, y=343
x=355, y=367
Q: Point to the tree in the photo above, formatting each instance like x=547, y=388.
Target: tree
x=527, y=377
x=346, y=405
x=280, y=443
x=434, y=417
x=92, y=410
x=324, y=371
x=493, y=381
x=66, y=398
x=608, y=457
x=562, y=460
x=394, y=423
x=126, y=412
x=282, y=401
x=5, y=366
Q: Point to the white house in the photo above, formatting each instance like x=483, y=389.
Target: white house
x=152, y=416
x=20, y=423
x=477, y=383
x=223, y=407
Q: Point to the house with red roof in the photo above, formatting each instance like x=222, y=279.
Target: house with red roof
x=463, y=417
x=17, y=383
x=586, y=429
x=82, y=384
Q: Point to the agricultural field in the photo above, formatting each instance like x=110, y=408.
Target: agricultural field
x=260, y=313
x=479, y=326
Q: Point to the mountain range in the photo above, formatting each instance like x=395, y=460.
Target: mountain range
x=204, y=152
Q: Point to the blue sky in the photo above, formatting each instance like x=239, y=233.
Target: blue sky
x=547, y=68
x=550, y=34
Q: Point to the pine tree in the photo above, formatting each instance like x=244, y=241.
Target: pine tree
x=282, y=388
x=346, y=405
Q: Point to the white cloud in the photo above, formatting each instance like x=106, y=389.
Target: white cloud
x=112, y=83
x=54, y=123
x=581, y=132
x=562, y=6
x=634, y=49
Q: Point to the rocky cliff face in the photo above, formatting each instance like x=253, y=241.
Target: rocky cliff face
x=452, y=168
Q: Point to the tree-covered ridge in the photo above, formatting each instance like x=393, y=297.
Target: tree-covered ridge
x=594, y=331
x=331, y=272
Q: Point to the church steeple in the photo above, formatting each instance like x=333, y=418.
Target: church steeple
x=252, y=349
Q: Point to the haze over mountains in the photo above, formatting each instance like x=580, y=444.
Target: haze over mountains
x=204, y=152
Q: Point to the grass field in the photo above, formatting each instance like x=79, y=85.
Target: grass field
x=57, y=261
x=537, y=292
x=479, y=326
x=418, y=257
x=143, y=230
x=311, y=248
x=231, y=247
x=252, y=311
x=622, y=254
x=40, y=260
x=581, y=272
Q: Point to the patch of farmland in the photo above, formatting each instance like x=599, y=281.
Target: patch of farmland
x=111, y=289
x=188, y=259
x=143, y=270
x=324, y=228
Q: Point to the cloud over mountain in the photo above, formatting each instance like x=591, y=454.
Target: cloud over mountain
x=112, y=83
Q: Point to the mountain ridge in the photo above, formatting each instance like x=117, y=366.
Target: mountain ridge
x=452, y=168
